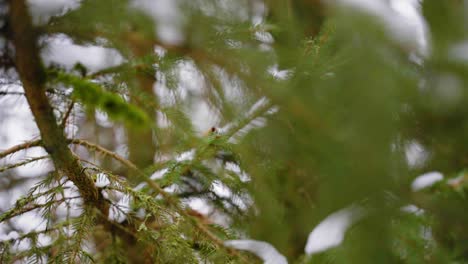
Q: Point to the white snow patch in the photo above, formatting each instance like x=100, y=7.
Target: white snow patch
x=159, y=174
x=243, y=176
x=62, y=51
x=10, y=235
x=167, y=17
x=331, y=231
x=42, y=10
x=102, y=180
x=220, y=189
x=416, y=154
x=263, y=250
x=402, y=20
x=200, y=205
x=426, y=180
x=412, y=209
x=186, y=156
x=118, y=211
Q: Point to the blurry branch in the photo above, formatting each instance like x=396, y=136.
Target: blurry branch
x=25, y=145
x=242, y=123
x=20, y=209
x=231, y=131
x=67, y=114
x=109, y=70
x=118, y=226
x=104, y=151
x=198, y=54
x=19, y=164
x=11, y=93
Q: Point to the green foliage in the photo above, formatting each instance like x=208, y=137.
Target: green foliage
x=335, y=130
x=93, y=95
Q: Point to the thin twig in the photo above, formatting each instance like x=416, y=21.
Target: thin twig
x=24, y=209
x=25, y=145
x=11, y=93
x=67, y=114
x=19, y=164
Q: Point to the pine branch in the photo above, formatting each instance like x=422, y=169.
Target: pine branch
x=21, y=209
x=169, y=198
x=33, y=77
x=25, y=145
x=242, y=123
x=19, y=164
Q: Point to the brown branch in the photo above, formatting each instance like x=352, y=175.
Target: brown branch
x=19, y=164
x=67, y=114
x=10, y=93
x=32, y=76
x=25, y=145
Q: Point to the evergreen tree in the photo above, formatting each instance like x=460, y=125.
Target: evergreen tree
x=335, y=132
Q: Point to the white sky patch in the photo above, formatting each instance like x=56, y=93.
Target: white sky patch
x=167, y=16
x=166, y=95
x=62, y=51
x=12, y=109
x=331, y=231
x=232, y=85
x=186, y=156
x=263, y=250
x=401, y=18
x=190, y=79
x=29, y=221
x=426, y=180
x=203, y=116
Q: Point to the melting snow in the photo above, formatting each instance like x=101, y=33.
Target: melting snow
x=401, y=18
x=331, y=231
x=426, y=180
x=263, y=250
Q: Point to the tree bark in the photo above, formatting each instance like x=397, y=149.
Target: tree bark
x=33, y=77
